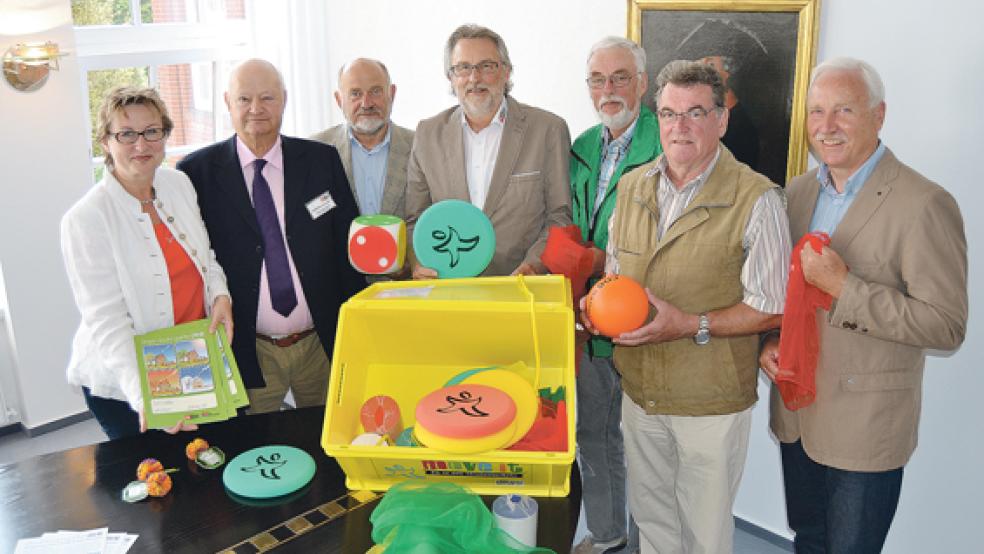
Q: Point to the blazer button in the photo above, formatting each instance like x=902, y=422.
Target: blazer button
x=259, y=248
x=170, y=219
x=181, y=236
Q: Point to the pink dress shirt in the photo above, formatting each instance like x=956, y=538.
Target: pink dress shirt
x=268, y=321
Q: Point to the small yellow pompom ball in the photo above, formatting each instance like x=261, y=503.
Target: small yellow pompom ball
x=148, y=466
x=194, y=447
x=158, y=483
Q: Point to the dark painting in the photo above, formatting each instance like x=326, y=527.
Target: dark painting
x=755, y=53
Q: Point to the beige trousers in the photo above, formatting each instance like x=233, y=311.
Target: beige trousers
x=683, y=475
x=301, y=367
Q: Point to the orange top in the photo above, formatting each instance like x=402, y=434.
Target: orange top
x=187, y=288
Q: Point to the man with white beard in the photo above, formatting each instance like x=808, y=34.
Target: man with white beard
x=374, y=150
x=506, y=158
x=627, y=137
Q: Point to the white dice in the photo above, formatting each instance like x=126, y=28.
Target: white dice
x=377, y=244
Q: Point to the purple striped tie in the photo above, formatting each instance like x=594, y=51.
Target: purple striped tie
x=281, y=284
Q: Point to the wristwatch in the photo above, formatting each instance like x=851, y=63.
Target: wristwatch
x=703, y=335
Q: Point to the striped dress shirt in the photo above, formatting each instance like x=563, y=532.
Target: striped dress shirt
x=765, y=240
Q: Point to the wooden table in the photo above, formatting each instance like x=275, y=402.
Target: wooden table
x=80, y=489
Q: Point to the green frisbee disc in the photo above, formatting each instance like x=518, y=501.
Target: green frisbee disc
x=268, y=471
x=454, y=238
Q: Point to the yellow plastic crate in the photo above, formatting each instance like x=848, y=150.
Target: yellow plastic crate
x=406, y=339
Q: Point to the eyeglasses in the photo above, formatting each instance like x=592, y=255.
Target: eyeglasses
x=153, y=134
x=620, y=79
x=693, y=115
x=484, y=67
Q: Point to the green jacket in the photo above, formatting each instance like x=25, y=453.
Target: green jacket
x=585, y=165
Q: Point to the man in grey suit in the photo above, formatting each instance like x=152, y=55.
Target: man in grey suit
x=374, y=150
x=897, y=270
x=508, y=159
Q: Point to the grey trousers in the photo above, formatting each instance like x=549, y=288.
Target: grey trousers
x=601, y=456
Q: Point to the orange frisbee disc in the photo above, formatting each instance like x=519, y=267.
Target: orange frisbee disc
x=617, y=304
x=466, y=411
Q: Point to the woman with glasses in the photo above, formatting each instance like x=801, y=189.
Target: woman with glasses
x=138, y=259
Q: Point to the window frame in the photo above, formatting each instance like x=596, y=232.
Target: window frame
x=151, y=45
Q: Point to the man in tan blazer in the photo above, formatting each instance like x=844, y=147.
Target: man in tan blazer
x=506, y=158
x=373, y=149
x=897, y=270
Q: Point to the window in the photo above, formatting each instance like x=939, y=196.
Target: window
x=124, y=12
x=183, y=48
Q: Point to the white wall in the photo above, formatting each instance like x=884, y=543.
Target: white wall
x=44, y=155
x=934, y=120
x=547, y=40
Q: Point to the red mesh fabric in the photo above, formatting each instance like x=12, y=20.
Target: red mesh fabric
x=566, y=255
x=549, y=431
x=799, y=344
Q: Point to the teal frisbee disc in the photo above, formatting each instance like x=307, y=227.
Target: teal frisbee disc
x=268, y=471
x=454, y=238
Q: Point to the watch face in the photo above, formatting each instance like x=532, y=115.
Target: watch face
x=702, y=337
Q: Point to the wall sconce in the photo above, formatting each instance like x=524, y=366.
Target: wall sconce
x=26, y=66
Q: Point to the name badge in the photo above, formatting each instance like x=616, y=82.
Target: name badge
x=320, y=205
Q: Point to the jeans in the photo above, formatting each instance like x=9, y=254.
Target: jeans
x=600, y=453
x=834, y=511
x=114, y=416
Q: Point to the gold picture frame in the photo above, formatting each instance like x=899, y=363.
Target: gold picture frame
x=764, y=48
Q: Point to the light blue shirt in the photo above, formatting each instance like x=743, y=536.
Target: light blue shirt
x=832, y=205
x=612, y=152
x=369, y=172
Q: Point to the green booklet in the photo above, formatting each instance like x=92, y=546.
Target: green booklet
x=187, y=371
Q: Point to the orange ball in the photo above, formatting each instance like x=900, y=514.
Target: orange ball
x=148, y=466
x=194, y=447
x=617, y=304
x=158, y=483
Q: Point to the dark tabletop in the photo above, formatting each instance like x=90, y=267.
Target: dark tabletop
x=80, y=489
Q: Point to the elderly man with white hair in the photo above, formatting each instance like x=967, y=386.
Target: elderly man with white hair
x=627, y=137
x=896, y=269
x=277, y=210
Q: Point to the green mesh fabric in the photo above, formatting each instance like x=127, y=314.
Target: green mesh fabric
x=439, y=518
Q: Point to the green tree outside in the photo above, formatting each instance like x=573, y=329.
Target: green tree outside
x=108, y=12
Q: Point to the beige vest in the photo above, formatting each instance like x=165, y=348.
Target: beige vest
x=697, y=268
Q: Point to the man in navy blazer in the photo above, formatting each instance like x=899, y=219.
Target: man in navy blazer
x=277, y=210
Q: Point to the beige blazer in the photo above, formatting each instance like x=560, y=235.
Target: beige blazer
x=396, y=164
x=529, y=192
x=903, y=241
